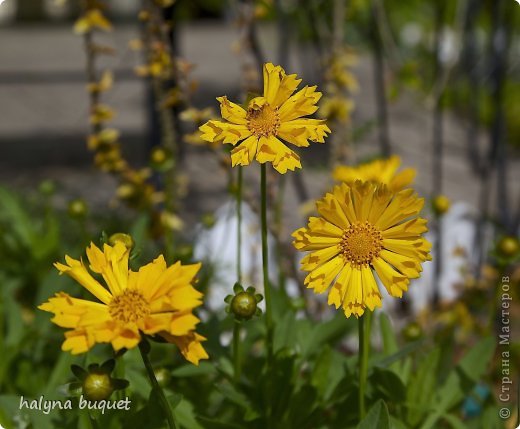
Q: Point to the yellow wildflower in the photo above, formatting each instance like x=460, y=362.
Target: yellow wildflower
x=363, y=228
x=101, y=113
x=104, y=84
x=92, y=19
x=278, y=114
x=441, y=204
x=378, y=171
x=337, y=108
x=156, y=300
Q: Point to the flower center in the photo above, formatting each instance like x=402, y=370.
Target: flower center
x=263, y=120
x=130, y=306
x=361, y=243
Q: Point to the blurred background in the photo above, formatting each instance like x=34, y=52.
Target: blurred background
x=436, y=83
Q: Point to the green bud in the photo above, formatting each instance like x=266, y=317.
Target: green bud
x=97, y=386
x=508, y=246
x=120, y=237
x=243, y=304
x=77, y=209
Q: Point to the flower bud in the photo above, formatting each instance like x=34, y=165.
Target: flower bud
x=120, y=237
x=47, y=187
x=244, y=303
x=97, y=386
x=440, y=204
x=77, y=209
x=508, y=246
x=412, y=331
x=161, y=158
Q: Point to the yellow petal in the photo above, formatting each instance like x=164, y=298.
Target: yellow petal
x=78, y=272
x=232, y=112
x=395, y=283
x=183, y=324
x=273, y=150
x=126, y=339
x=245, y=152
x=319, y=257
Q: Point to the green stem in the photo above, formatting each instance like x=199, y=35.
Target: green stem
x=156, y=386
x=239, y=224
x=278, y=221
x=265, y=266
x=236, y=351
x=364, y=348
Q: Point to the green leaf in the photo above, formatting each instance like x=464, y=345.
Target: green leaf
x=185, y=415
x=422, y=387
x=397, y=424
x=389, y=384
x=461, y=380
x=232, y=394
x=387, y=333
x=454, y=421
x=377, y=417
x=190, y=370
x=402, y=353
x=474, y=364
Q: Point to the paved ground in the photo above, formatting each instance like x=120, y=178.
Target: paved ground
x=42, y=125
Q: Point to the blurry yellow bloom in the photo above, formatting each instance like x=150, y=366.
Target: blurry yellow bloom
x=197, y=116
x=338, y=73
x=195, y=139
x=336, y=109
x=105, y=137
x=508, y=246
x=101, y=113
x=171, y=221
x=441, y=204
x=278, y=114
x=378, y=171
x=156, y=300
x=165, y=3
x=362, y=229
x=172, y=98
x=92, y=19
x=104, y=84
x=135, y=44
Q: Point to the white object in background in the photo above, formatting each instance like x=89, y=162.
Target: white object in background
x=7, y=10
x=218, y=246
x=458, y=232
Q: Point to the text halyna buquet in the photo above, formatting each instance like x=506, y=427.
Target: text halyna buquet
x=47, y=405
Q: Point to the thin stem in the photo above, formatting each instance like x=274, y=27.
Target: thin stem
x=239, y=224
x=157, y=387
x=364, y=349
x=236, y=351
x=265, y=266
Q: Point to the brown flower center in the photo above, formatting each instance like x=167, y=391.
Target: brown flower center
x=263, y=120
x=130, y=306
x=361, y=243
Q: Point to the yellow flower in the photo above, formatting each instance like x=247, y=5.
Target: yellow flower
x=363, y=229
x=101, y=113
x=337, y=108
x=156, y=300
x=441, y=204
x=104, y=84
x=93, y=18
x=278, y=114
x=378, y=171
